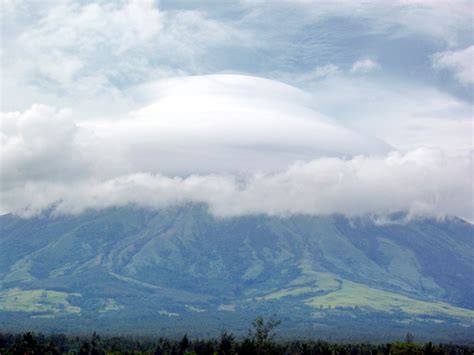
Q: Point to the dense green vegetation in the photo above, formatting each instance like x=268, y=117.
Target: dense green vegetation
x=259, y=340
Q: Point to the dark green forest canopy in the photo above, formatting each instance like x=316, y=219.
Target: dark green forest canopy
x=226, y=344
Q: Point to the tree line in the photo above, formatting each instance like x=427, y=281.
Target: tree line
x=260, y=340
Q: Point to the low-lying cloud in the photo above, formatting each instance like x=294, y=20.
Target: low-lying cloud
x=421, y=182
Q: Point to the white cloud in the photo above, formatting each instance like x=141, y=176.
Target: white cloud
x=403, y=114
x=38, y=144
x=86, y=54
x=364, y=66
x=90, y=51
x=240, y=144
x=229, y=141
x=460, y=63
x=70, y=51
x=421, y=182
x=119, y=26
x=223, y=123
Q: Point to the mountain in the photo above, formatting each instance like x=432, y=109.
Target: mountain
x=180, y=269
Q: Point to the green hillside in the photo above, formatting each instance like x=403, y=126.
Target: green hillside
x=180, y=267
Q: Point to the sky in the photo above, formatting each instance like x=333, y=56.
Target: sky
x=352, y=107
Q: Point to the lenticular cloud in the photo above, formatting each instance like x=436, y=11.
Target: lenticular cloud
x=241, y=145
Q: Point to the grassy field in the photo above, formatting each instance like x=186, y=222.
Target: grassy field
x=352, y=294
x=325, y=290
x=37, y=301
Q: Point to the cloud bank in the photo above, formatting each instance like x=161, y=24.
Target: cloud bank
x=241, y=145
x=421, y=182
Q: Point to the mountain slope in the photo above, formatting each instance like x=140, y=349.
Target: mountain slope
x=183, y=265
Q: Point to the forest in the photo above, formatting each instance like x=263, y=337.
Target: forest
x=260, y=340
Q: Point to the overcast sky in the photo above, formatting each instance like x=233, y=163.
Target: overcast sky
x=353, y=107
